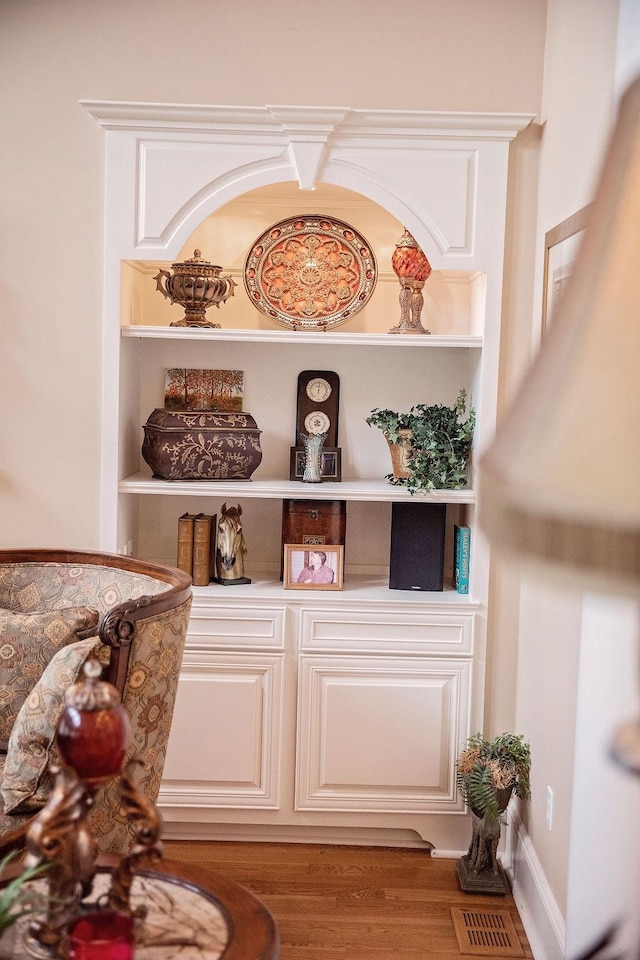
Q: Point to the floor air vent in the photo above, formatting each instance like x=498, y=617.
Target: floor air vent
x=486, y=933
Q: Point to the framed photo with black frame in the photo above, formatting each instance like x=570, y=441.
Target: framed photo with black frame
x=313, y=568
x=330, y=463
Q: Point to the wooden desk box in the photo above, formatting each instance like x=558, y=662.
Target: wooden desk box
x=315, y=522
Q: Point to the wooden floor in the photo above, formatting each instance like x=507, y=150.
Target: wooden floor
x=350, y=903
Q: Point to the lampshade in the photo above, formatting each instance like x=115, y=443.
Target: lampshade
x=561, y=481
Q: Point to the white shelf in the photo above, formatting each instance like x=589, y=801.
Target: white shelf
x=356, y=589
x=333, y=337
x=270, y=489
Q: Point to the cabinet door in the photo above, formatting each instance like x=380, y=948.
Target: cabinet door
x=380, y=733
x=225, y=745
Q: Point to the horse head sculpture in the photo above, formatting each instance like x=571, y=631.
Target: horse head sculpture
x=230, y=546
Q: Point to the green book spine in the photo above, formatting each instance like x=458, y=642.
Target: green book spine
x=461, y=552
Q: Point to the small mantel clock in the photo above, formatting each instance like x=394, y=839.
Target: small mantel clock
x=318, y=401
x=317, y=412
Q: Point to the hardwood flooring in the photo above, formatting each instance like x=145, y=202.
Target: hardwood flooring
x=350, y=903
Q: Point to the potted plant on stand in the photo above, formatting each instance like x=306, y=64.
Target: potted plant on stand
x=430, y=445
x=489, y=772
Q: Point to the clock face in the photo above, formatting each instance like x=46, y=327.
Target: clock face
x=318, y=389
x=316, y=422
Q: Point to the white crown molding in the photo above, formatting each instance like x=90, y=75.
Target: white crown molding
x=427, y=125
x=307, y=120
x=305, y=123
x=178, y=117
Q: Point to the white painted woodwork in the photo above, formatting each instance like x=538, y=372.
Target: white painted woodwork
x=298, y=710
x=351, y=631
x=220, y=628
x=224, y=746
x=343, y=709
x=380, y=733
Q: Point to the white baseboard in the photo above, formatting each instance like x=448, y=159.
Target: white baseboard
x=539, y=912
x=273, y=833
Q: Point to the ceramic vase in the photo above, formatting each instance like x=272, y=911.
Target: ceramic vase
x=400, y=451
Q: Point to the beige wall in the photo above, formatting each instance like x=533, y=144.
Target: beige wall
x=568, y=727
x=453, y=55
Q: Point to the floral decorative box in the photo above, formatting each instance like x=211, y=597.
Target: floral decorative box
x=201, y=445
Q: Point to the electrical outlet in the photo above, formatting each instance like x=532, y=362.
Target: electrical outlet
x=549, y=808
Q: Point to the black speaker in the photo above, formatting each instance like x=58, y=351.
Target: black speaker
x=417, y=546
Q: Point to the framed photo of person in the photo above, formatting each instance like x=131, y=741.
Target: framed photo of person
x=308, y=567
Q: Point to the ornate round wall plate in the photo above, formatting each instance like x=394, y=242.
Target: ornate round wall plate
x=310, y=272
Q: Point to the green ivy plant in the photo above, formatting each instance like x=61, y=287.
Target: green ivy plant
x=486, y=767
x=16, y=900
x=441, y=440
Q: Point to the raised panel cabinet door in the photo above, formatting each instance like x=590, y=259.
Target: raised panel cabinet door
x=380, y=734
x=225, y=745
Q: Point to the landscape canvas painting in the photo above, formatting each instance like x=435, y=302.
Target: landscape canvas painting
x=191, y=389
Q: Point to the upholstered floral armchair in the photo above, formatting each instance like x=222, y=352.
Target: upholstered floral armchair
x=59, y=609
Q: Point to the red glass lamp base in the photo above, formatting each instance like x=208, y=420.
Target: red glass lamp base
x=105, y=935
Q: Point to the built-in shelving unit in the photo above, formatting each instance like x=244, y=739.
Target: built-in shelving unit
x=317, y=713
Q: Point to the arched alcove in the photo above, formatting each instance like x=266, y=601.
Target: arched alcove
x=351, y=188
x=225, y=237
x=299, y=678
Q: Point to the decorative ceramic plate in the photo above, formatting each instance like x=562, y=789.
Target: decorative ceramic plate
x=310, y=272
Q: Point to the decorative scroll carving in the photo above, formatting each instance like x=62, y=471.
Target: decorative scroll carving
x=60, y=837
x=148, y=847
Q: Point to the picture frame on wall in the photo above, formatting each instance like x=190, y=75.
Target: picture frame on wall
x=313, y=568
x=561, y=245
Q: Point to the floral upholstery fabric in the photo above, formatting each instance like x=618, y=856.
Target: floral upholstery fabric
x=50, y=586
x=28, y=641
x=155, y=659
x=149, y=697
x=26, y=781
x=9, y=821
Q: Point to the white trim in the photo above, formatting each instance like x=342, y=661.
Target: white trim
x=541, y=917
x=269, y=120
x=176, y=829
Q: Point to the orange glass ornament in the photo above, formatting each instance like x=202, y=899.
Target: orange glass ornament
x=409, y=262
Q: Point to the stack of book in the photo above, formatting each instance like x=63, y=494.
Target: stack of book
x=197, y=546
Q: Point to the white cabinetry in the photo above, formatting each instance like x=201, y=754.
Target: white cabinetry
x=296, y=712
x=226, y=739
x=308, y=711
